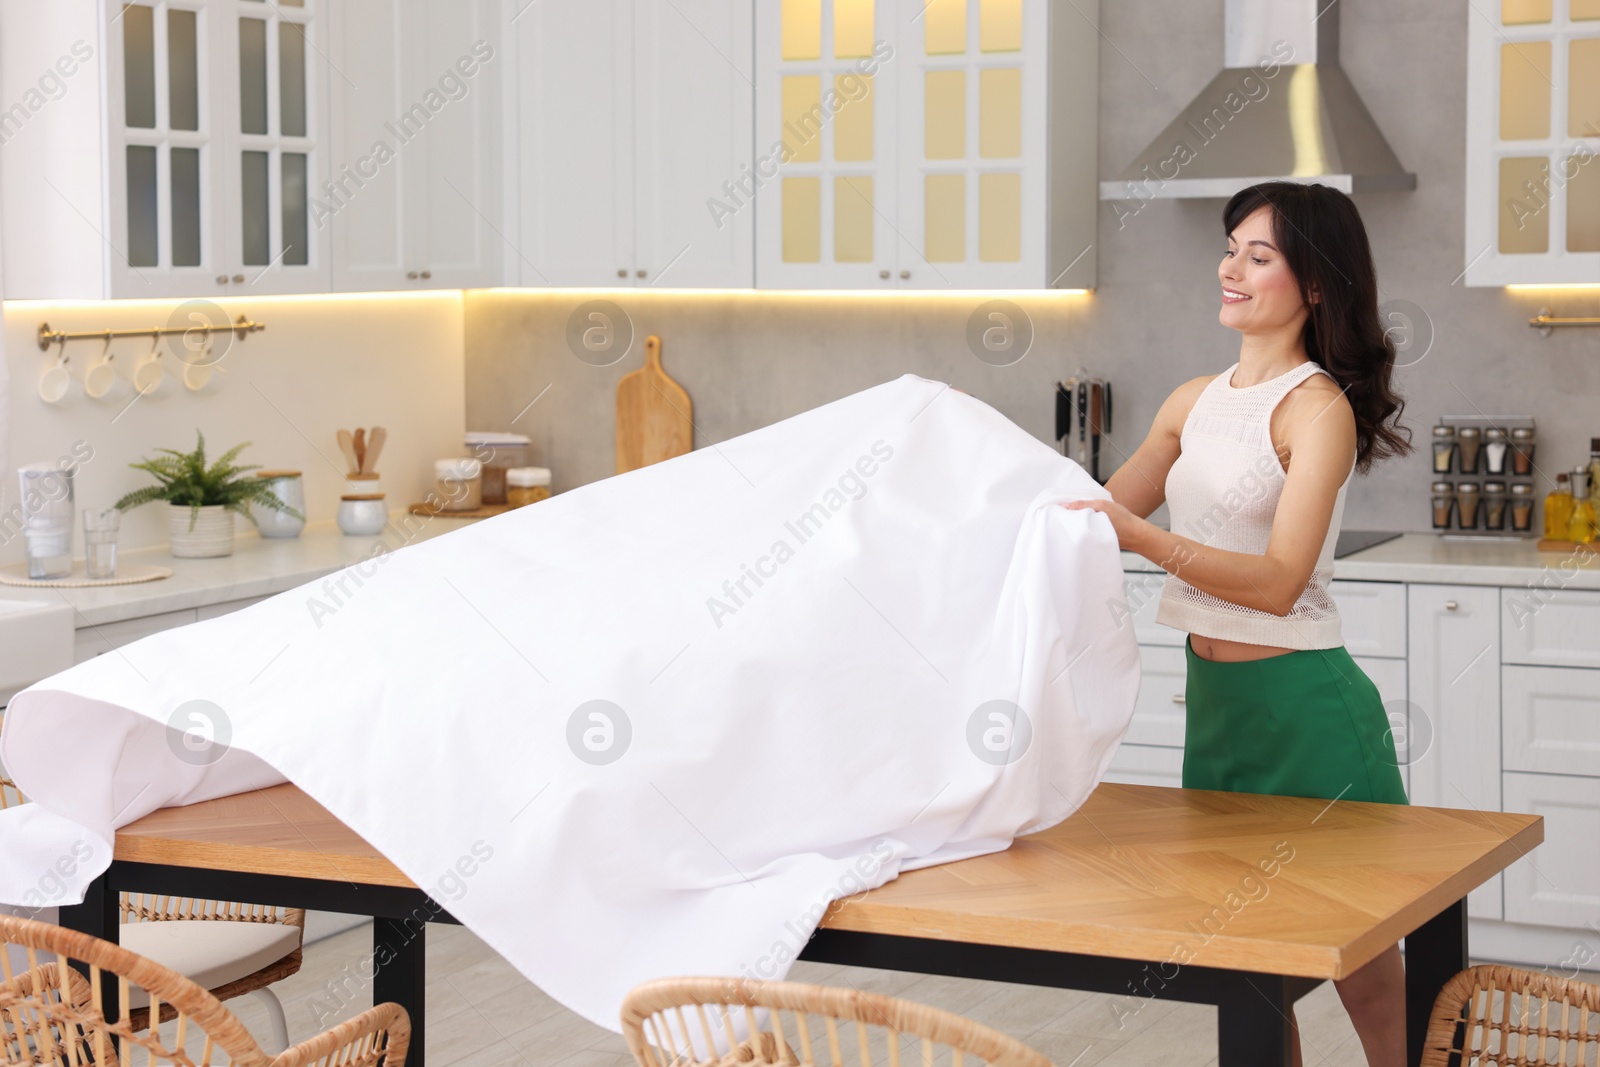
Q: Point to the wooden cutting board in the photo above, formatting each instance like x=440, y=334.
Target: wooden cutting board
x=655, y=418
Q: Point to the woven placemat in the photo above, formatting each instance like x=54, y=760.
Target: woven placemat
x=127, y=574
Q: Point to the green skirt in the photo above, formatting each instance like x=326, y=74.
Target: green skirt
x=1308, y=723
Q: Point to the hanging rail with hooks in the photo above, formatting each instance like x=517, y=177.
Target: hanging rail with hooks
x=241, y=328
x=1544, y=321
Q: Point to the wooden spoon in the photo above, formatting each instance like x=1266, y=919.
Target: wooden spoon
x=347, y=445
x=375, y=444
x=361, y=451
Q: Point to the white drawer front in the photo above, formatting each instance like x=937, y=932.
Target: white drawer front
x=1158, y=715
x=1550, y=718
x=1146, y=765
x=1372, y=617
x=1550, y=628
x=1144, y=596
x=1558, y=884
x=92, y=641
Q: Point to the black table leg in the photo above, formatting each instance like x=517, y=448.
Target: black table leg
x=1253, y=1027
x=98, y=916
x=398, y=956
x=1435, y=952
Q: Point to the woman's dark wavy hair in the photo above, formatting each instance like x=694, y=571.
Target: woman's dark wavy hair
x=1319, y=232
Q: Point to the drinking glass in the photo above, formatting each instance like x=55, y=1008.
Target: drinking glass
x=100, y=541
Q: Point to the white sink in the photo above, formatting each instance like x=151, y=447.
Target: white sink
x=35, y=642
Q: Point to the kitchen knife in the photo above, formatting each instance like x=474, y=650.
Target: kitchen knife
x=1063, y=415
x=1096, y=399
x=1083, y=423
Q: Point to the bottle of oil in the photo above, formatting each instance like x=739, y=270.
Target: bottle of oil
x=1558, y=509
x=1581, y=526
x=1594, y=471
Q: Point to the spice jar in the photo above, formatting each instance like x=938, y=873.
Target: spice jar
x=459, y=483
x=1444, y=499
x=1496, y=450
x=1494, y=505
x=1444, y=447
x=1467, y=500
x=527, y=485
x=1470, y=440
x=1522, y=506
x=1522, y=442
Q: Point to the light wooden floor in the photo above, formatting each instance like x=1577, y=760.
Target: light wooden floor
x=482, y=1013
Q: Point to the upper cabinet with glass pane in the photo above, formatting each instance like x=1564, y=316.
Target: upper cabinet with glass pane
x=188, y=169
x=1533, y=143
x=925, y=144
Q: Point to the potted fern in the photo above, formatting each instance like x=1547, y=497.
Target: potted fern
x=199, y=498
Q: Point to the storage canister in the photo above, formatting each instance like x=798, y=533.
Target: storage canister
x=459, y=483
x=527, y=485
x=498, y=452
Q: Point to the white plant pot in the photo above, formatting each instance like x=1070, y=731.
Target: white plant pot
x=212, y=534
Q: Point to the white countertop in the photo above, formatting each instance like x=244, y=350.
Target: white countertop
x=258, y=567
x=1420, y=557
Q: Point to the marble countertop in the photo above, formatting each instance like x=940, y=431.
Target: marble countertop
x=258, y=567
x=1420, y=557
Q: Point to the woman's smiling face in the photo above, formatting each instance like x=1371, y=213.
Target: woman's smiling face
x=1259, y=292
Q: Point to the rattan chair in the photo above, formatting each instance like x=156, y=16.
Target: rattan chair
x=50, y=1013
x=678, y=1022
x=250, y=947
x=1506, y=1015
x=227, y=948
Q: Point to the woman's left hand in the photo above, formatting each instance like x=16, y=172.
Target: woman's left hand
x=1127, y=525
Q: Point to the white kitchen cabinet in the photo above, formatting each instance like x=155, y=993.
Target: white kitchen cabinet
x=1372, y=617
x=1390, y=676
x=1158, y=713
x=1533, y=129
x=634, y=143
x=1551, y=720
x=1144, y=598
x=942, y=146
x=413, y=200
x=1454, y=681
x=92, y=641
x=185, y=162
x=1553, y=628
x=1559, y=883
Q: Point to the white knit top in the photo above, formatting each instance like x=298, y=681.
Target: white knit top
x=1223, y=491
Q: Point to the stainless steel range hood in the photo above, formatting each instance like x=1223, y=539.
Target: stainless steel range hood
x=1281, y=109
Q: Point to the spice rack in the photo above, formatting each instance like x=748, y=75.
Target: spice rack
x=1482, y=482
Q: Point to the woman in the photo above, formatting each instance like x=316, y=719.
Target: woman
x=1253, y=464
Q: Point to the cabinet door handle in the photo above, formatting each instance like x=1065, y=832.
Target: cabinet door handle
x=427, y=274
x=640, y=273
x=238, y=279
x=1179, y=698
x=222, y=279
x=622, y=272
x=411, y=275
x=905, y=274
x=1451, y=605
x=883, y=274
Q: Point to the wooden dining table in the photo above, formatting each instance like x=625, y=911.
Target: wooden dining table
x=1237, y=900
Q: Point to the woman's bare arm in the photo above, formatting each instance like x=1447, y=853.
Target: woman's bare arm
x=1140, y=484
